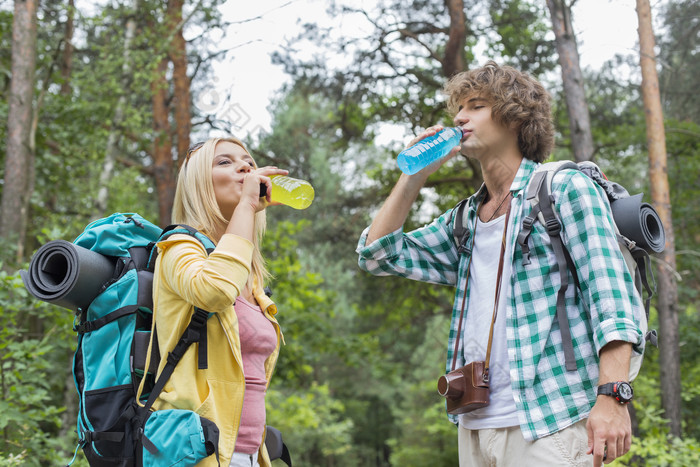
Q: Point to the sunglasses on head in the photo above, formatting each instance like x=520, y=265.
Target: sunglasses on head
x=192, y=149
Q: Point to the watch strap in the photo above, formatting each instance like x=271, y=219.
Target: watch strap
x=613, y=390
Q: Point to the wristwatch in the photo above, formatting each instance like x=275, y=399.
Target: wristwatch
x=620, y=390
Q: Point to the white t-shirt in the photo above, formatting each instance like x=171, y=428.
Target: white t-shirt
x=483, y=273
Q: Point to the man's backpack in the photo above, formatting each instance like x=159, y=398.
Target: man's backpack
x=638, y=228
x=106, y=275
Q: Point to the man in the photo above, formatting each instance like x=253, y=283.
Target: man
x=539, y=413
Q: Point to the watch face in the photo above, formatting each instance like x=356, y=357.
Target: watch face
x=625, y=391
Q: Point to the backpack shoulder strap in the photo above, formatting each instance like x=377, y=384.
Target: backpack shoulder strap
x=202, y=358
x=539, y=190
x=186, y=229
x=539, y=195
x=192, y=333
x=459, y=230
x=173, y=229
x=196, y=328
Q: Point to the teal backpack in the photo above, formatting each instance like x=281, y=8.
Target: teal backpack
x=111, y=292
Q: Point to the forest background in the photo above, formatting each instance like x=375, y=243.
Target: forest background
x=101, y=105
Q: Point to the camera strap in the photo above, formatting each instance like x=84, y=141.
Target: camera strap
x=497, y=297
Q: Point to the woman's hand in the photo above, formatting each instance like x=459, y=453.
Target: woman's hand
x=252, y=187
x=242, y=221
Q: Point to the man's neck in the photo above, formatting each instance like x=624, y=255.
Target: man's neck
x=499, y=173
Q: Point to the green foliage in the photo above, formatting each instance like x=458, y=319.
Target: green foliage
x=690, y=370
x=531, y=52
x=424, y=436
x=302, y=307
x=683, y=148
x=34, y=342
x=355, y=382
x=678, y=44
x=313, y=424
x=655, y=446
x=301, y=402
x=393, y=70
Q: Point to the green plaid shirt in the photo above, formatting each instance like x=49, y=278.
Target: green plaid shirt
x=547, y=397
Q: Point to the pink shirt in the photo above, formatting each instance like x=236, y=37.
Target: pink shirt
x=258, y=341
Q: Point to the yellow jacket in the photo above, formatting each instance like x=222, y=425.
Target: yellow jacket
x=186, y=277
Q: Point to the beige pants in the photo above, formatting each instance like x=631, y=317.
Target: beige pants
x=506, y=447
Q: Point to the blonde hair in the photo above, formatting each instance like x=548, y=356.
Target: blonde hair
x=195, y=204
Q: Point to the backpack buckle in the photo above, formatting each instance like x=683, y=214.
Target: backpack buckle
x=172, y=358
x=553, y=227
x=463, y=248
x=652, y=337
x=630, y=244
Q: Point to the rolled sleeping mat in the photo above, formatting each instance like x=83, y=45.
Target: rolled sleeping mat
x=639, y=222
x=67, y=275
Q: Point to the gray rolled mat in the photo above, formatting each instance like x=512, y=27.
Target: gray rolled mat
x=639, y=222
x=67, y=275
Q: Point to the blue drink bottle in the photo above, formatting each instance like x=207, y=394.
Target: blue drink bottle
x=429, y=150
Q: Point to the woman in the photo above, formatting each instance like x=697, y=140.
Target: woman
x=218, y=193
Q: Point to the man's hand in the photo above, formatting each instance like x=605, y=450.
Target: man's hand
x=432, y=168
x=609, y=430
x=395, y=209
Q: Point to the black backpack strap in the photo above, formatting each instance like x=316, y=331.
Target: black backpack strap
x=139, y=256
x=202, y=359
x=137, y=260
x=89, y=326
x=196, y=327
x=285, y=457
x=203, y=353
x=110, y=436
x=275, y=446
x=211, y=437
x=174, y=229
x=193, y=232
x=192, y=334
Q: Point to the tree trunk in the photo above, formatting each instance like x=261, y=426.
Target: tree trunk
x=669, y=351
x=181, y=82
x=112, y=149
x=579, y=119
x=163, y=167
x=454, y=60
x=19, y=160
x=67, y=61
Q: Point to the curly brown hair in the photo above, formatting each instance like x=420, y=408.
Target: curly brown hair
x=517, y=100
